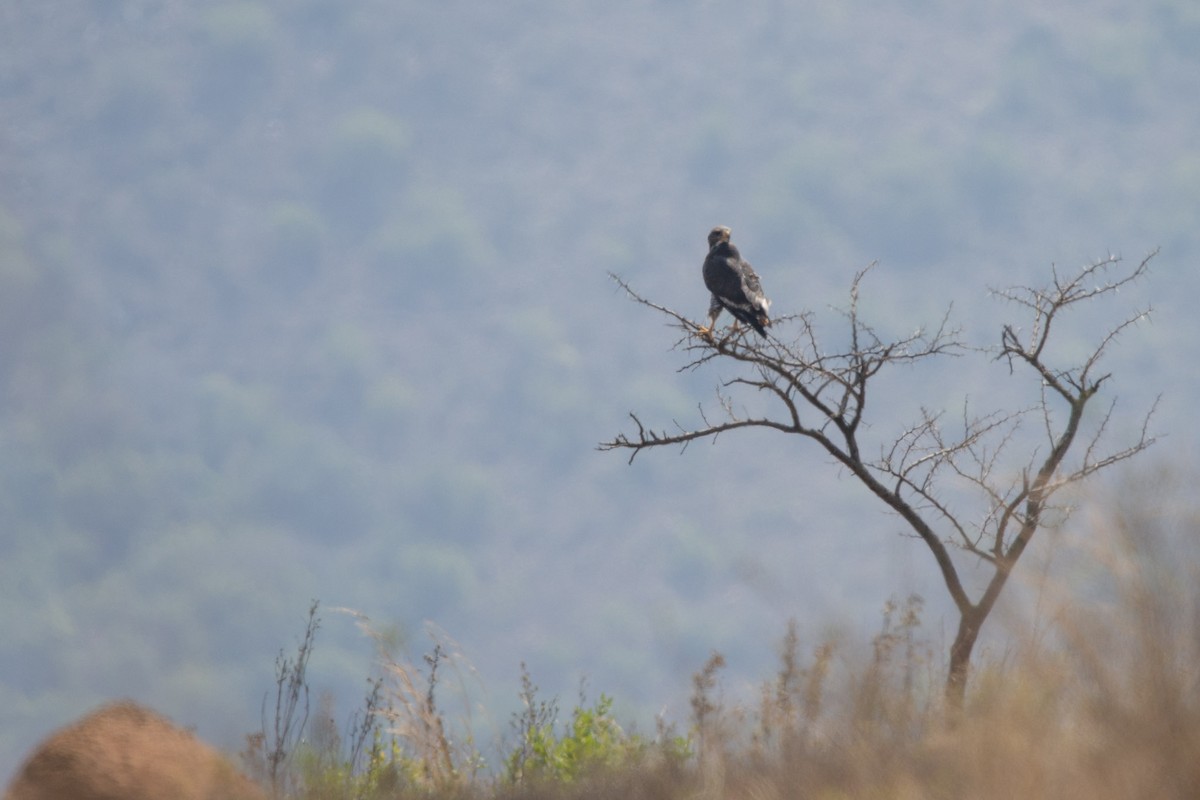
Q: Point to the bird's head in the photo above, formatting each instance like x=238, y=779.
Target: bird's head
x=717, y=235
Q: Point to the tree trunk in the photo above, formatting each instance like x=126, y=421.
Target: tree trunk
x=960, y=659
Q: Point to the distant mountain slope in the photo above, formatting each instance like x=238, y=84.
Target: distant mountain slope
x=310, y=300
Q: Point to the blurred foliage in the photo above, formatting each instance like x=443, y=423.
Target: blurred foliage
x=237, y=59
x=310, y=296
x=1100, y=698
x=294, y=250
x=364, y=171
x=591, y=742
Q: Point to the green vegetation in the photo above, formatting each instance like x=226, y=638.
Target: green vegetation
x=308, y=298
x=590, y=743
x=1099, y=699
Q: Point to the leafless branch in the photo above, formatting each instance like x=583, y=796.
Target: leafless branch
x=821, y=393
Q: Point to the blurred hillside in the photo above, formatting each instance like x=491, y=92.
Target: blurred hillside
x=309, y=300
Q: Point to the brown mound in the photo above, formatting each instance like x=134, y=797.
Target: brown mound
x=124, y=751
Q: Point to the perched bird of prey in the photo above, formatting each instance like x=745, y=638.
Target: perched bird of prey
x=734, y=285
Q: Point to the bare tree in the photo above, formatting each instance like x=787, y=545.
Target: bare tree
x=822, y=395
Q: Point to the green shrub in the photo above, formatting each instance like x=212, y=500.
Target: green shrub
x=592, y=742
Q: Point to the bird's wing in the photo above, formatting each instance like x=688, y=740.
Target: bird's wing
x=752, y=286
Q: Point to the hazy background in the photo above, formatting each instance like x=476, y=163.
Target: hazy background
x=309, y=300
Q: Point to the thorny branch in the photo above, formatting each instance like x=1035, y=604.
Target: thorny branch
x=822, y=394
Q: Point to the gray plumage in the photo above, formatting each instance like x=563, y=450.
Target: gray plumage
x=734, y=285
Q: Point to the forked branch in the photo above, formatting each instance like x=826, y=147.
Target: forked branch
x=822, y=395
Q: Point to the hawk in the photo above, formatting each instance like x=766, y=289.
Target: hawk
x=734, y=285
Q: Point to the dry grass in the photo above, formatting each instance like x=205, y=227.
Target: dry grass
x=1102, y=702
x=1105, y=704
